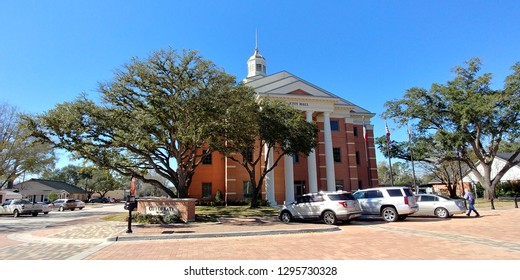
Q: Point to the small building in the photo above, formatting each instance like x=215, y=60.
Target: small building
x=6, y=194
x=38, y=190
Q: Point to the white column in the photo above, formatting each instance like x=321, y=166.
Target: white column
x=289, y=178
x=329, y=159
x=311, y=164
x=269, y=178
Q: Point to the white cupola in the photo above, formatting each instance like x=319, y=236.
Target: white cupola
x=256, y=64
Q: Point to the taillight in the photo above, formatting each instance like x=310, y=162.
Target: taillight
x=343, y=203
x=406, y=200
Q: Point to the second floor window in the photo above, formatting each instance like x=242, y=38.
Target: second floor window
x=207, y=159
x=334, y=125
x=336, y=153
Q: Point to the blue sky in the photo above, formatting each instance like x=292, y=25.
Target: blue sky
x=367, y=52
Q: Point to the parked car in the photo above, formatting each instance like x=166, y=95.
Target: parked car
x=330, y=207
x=99, y=200
x=46, y=207
x=438, y=205
x=17, y=207
x=79, y=204
x=391, y=203
x=64, y=204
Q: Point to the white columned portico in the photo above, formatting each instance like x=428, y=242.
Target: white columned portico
x=269, y=178
x=329, y=160
x=289, y=178
x=311, y=164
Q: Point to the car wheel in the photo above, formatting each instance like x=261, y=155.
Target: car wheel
x=330, y=218
x=45, y=213
x=442, y=213
x=16, y=214
x=389, y=214
x=285, y=217
x=34, y=214
x=72, y=209
x=80, y=208
x=61, y=209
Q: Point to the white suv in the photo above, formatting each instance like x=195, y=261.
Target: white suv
x=391, y=203
x=330, y=207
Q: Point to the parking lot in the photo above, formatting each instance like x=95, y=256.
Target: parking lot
x=494, y=236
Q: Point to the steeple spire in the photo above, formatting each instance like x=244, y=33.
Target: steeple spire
x=256, y=64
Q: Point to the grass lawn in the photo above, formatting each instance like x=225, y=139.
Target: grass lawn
x=209, y=212
x=486, y=204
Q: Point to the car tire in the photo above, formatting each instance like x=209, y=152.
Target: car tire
x=330, y=218
x=45, y=213
x=34, y=214
x=442, y=213
x=72, y=209
x=286, y=217
x=16, y=214
x=61, y=209
x=389, y=214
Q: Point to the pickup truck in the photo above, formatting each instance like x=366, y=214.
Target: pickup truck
x=17, y=207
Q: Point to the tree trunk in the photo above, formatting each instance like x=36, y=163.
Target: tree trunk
x=492, y=204
x=255, y=197
x=516, y=201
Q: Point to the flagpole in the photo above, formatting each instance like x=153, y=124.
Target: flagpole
x=365, y=138
x=410, y=138
x=388, y=153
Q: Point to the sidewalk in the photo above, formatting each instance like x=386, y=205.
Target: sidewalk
x=225, y=227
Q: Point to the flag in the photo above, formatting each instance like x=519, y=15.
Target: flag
x=387, y=136
x=365, y=135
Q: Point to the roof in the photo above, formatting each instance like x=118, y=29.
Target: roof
x=506, y=156
x=284, y=83
x=56, y=185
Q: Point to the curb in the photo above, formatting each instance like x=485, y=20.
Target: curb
x=219, y=234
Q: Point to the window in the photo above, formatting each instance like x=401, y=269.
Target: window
x=358, y=160
x=336, y=153
x=334, y=125
x=296, y=158
x=249, y=154
x=373, y=194
x=259, y=67
x=206, y=190
x=396, y=192
x=208, y=158
x=355, y=132
x=428, y=198
x=248, y=190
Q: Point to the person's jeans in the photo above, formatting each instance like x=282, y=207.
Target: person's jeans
x=472, y=208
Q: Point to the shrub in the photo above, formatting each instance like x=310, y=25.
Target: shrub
x=153, y=219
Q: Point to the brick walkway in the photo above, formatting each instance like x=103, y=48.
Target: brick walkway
x=494, y=236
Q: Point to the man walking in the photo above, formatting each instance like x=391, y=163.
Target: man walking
x=471, y=200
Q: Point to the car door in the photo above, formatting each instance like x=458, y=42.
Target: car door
x=302, y=207
x=427, y=204
x=374, y=199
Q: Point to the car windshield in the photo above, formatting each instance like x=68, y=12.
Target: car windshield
x=341, y=196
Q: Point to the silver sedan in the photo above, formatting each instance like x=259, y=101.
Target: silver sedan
x=439, y=205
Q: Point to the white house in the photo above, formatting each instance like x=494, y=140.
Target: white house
x=512, y=174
